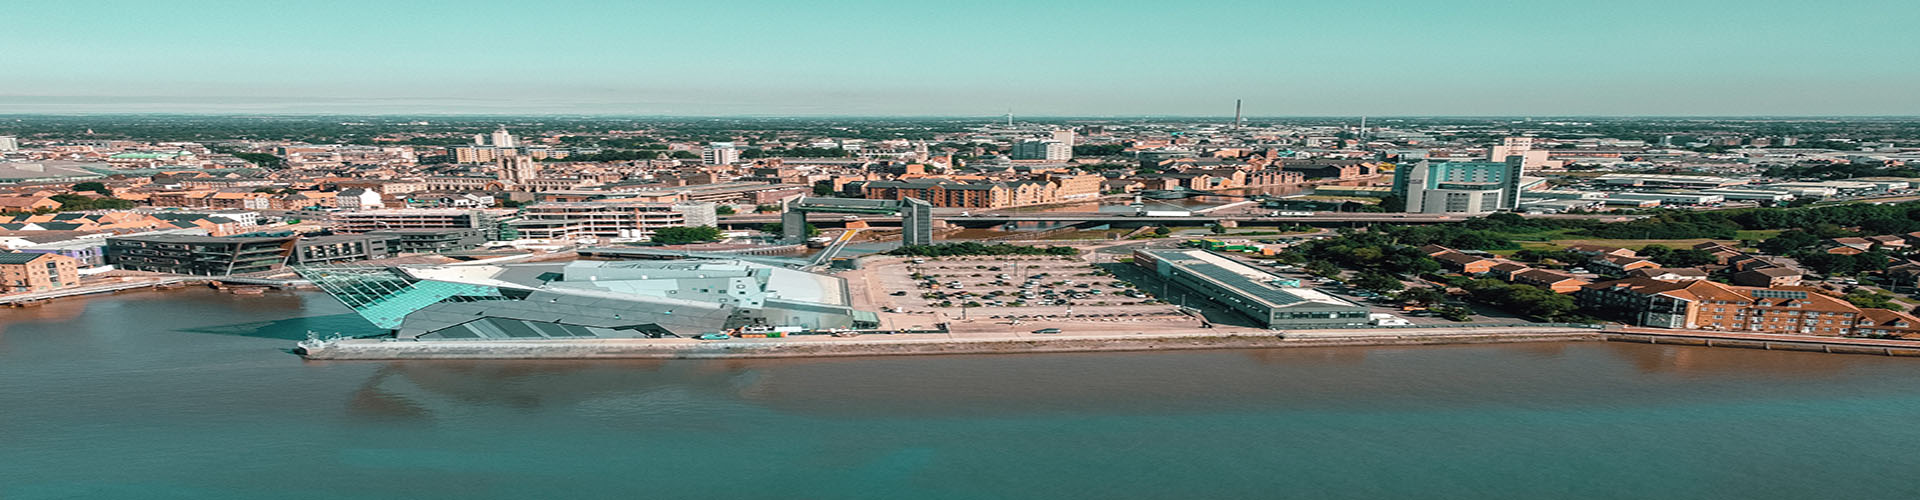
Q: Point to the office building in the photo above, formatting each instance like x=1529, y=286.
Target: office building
x=1258, y=294
x=609, y=219
x=9, y=143
x=199, y=255
x=502, y=139
x=1037, y=149
x=720, y=153
x=339, y=248
x=431, y=240
x=1466, y=188
x=421, y=218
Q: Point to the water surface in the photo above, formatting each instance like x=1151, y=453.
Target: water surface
x=190, y=394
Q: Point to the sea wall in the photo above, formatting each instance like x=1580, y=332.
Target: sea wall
x=371, y=349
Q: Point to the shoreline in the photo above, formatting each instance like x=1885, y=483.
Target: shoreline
x=377, y=349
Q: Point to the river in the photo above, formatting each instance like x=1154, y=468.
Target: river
x=190, y=394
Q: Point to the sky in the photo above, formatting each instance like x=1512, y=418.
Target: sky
x=964, y=57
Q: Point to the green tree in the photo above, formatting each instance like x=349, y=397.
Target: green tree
x=684, y=235
x=823, y=189
x=1324, y=269
x=1376, y=281
x=1422, y=295
x=1393, y=204
x=263, y=160
x=766, y=208
x=723, y=210
x=1162, y=231
x=94, y=187
x=1217, y=229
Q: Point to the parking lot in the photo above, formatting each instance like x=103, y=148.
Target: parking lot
x=988, y=287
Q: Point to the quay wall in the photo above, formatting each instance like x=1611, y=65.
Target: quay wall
x=372, y=349
x=1835, y=345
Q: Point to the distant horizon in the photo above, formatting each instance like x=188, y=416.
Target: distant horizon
x=1017, y=117
x=1721, y=58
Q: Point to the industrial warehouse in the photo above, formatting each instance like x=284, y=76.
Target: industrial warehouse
x=1261, y=295
x=584, y=299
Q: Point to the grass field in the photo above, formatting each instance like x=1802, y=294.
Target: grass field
x=1562, y=238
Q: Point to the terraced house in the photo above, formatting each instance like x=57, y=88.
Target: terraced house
x=1706, y=305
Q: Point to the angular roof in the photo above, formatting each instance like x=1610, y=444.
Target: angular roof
x=20, y=258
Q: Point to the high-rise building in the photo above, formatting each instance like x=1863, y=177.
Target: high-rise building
x=1036, y=149
x=720, y=153
x=517, y=169
x=1522, y=147
x=1459, y=187
x=9, y=143
x=502, y=139
x=1065, y=136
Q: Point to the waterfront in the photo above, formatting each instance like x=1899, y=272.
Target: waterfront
x=189, y=394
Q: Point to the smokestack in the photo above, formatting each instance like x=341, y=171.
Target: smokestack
x=1236, y=113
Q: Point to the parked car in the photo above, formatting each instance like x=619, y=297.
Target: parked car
x=714, y=336
x=1047, y=330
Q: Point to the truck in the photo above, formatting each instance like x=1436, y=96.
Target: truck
x=1166, y=213
x=1292, y=214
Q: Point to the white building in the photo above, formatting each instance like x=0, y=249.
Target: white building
x=1522, y=147
x=1465, y=188
x=502, y=139
x=720, y=153
x=9, y=143
x=1050, y=150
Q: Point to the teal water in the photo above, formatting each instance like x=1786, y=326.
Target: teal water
x=189, y=394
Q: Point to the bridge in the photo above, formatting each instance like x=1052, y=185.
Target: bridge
x=915, y=216
x=1125, y=219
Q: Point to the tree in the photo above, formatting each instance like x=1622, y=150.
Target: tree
x=1324, y=269
x=1162, y=231
x=1217, y=229
x=823, y=189
x=766, y=208
x=723, y=210
x=1393, y=204
x=1788, y=242
x=1376, y=281
x=262, y=160
x=684, y=235
x=684, y=155
x=94, y=187
x=1871, y=299
x=1423, y=295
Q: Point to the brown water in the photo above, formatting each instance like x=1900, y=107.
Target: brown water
x=189, y=394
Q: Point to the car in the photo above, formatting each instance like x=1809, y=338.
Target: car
x=714, y=336
x=1047, y=330
x=899, y=293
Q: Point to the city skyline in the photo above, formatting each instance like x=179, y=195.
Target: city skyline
x=980, y=59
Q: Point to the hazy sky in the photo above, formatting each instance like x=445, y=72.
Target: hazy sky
x=964, y=57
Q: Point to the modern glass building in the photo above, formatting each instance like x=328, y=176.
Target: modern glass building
x=1459, y=187
x=625, y=299
x=1268, y=298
